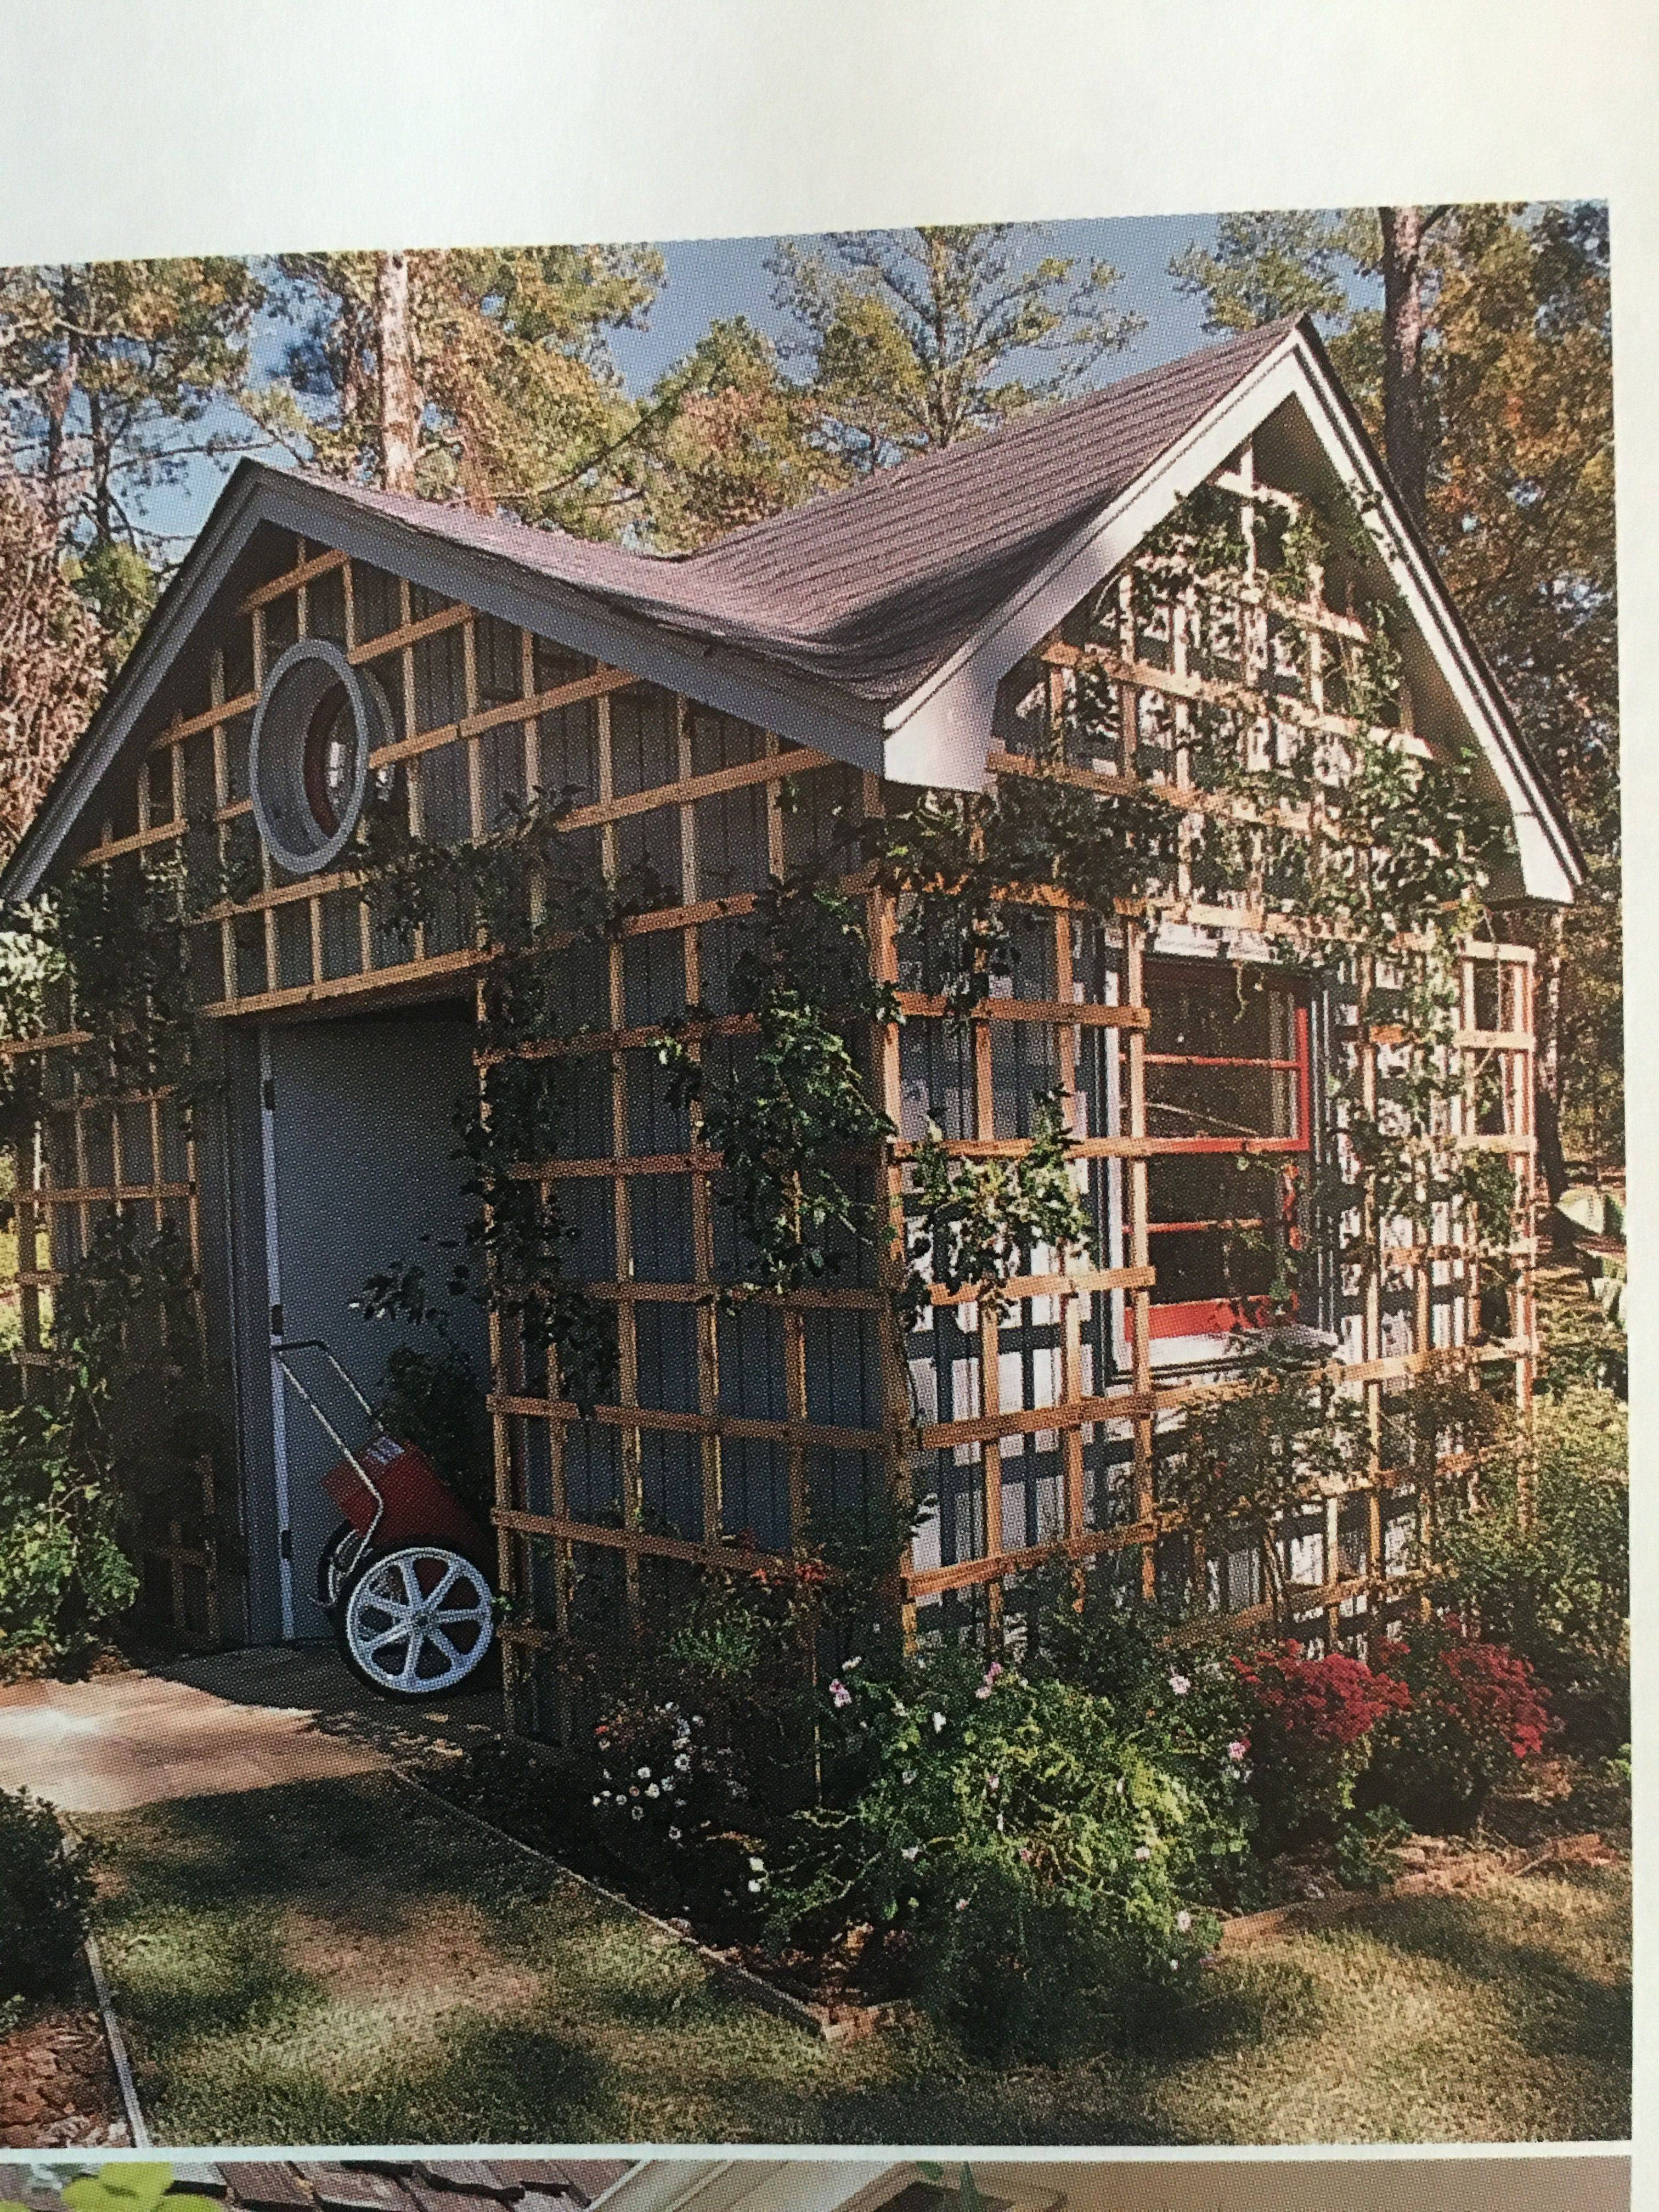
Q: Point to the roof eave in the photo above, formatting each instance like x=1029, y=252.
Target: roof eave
x=721, y=676
x=936, y=724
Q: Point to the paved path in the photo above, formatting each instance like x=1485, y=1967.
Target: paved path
x=236, y=1721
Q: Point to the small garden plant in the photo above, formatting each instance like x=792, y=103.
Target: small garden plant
x=45, y=1895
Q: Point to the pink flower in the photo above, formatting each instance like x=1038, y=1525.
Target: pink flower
x=1236, y=1749
x=1180, y=1683
x=839, y=1692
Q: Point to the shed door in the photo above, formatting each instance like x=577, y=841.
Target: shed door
x=358, y=1138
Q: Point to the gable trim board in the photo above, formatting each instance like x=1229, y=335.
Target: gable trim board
x=939, y=730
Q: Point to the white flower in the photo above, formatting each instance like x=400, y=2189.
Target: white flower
x=1184, y=1921
x=910, y=1851
x=908, y=1777
x=993, y=1782
x=839, y=1692
x=652, y=1791
x=851, y=1663
x=673, y=1835
x=598, y=1800
x=754, y=1887
x=645, y=1774
x=757, y=1866
x=1143, y=1850
x=683, y=1764
x=938, y=1722
x=962, y=1905
x=639, y=1811
x=1180, y=1683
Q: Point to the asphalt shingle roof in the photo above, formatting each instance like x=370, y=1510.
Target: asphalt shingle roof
x=371, y=2185
x=873, y=588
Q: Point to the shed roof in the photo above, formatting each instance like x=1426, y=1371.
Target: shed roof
x=873, y=588
x=874, y=623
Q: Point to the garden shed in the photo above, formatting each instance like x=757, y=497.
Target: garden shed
x=928, y=1002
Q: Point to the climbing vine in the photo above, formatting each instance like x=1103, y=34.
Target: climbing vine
x=1363, y=860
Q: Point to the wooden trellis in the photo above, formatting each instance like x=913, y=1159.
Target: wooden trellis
x=1039, y=1432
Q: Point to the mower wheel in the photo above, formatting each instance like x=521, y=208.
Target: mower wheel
x=416, y=1620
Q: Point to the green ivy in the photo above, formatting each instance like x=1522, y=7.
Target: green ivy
x=971, y=1226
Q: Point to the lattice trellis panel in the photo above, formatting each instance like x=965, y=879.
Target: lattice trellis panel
x=1037, y=1433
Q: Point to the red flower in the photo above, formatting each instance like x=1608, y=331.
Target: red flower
x=1333, y=1701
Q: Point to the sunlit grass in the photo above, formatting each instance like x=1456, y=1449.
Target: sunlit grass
x=338, y=1962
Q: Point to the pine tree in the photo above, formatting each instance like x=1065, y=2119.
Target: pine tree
x=730, y=440
x=476, y=375
x=912, y=339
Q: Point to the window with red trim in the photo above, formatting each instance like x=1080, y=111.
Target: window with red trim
x=1228, y=1093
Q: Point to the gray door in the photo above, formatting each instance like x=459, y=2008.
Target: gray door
x=359, y=1139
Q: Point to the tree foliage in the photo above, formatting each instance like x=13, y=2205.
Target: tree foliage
x=914, y=339
x=112, y=380
x=518, y=404
x=51, y=670
x=732, y=440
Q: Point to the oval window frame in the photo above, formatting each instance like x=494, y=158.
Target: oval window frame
x=284, y=778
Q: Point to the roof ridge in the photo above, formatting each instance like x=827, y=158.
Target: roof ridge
x=1261, y=337
x=931, y=461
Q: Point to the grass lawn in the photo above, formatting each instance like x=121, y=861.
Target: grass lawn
x=335, y=1962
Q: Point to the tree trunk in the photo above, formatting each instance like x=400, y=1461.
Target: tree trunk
x=60, y=391
x=1404, y=433
x=399, y=422
x=103, y=506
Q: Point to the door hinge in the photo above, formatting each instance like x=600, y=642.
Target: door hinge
x=275, y=1321
x=286, y=1543
x=268, y=1094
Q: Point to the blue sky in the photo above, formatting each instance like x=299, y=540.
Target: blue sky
x=707, y=279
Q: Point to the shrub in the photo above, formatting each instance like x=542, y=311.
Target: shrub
x=1039, y=1856
x=1557, y=1591
x=62, y=1570
x=1308, y=1726
x=706, y=1751
x=1470, y=1715
x=45, y=1899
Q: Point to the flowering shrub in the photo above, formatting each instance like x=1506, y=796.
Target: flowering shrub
x=1468, y=1713
x=1033, y=1856
x=674, y=1810
x=1307, y=1730
x=1552, y=1583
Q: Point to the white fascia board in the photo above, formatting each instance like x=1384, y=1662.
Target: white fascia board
x=721, y=677
x=185, y=604
x=941, y=734
x=1548, y=869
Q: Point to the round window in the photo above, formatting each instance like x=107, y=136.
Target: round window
x=318, y=720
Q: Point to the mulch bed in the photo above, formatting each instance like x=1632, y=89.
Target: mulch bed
x=57, y=2089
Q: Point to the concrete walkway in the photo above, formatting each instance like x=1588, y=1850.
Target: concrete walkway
x=208, y=1727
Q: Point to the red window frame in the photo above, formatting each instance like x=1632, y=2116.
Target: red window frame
x=1222, y=1317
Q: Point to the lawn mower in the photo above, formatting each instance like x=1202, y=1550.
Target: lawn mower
x=403, y=1578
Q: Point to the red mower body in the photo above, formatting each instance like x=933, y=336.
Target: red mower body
x=419, y=1505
